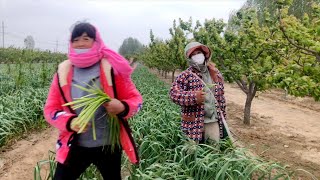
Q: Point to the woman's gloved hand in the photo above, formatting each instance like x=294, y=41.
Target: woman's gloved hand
x=200, y=97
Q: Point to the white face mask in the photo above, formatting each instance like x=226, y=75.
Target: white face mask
x=198, y=58
x=81, y=51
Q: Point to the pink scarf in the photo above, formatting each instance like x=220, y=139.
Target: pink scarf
x=98, y=51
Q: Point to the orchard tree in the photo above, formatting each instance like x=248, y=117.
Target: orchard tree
x=176, y=44
x=130, y=47
x=300, y=75
x=156, y=55
x=166, y=56
x=249, y=57
x=244, y=53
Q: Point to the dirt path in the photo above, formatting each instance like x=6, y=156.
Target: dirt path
x=282, y=130
x=18, y=161
x=291, y=118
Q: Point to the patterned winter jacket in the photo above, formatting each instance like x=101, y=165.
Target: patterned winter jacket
x=60, y=116
x=192, y=115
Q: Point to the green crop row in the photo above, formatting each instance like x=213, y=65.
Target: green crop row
x=167, y=154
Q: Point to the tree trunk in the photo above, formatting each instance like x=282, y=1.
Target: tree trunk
x=285, y=96
x=172, y=78
x=247, y=109
x=165, y=74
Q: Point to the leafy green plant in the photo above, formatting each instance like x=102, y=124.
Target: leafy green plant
x=166, y=153
x=90, y=103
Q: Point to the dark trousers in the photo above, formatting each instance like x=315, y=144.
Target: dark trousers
x=80, y=158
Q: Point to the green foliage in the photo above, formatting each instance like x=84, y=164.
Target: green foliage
x=244, y=51
x=20, y=112
x=176, y=46
x=298, y=8
x=156, y=55
x=166, y=55
x=15, y=55
x=250, y=56
x=166, y=153
x=295, y=39
x=300, y=74
x=130, y=47
x=23, y=89
x=281, y=49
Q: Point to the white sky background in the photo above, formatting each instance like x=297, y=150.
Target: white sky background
x=49, y=21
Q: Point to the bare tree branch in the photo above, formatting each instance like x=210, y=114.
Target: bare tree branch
x=306, y=53
x=257, y=56
x=242, y=87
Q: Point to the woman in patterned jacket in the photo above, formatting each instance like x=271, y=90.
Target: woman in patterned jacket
x=199, y=90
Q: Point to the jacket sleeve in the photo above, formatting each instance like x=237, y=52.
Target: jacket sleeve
x=129, y=95
x=220, y=95
x=179, y=94
x=54, y=112
x=223, y=104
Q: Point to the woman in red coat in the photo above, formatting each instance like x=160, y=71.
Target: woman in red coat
x=91, y=62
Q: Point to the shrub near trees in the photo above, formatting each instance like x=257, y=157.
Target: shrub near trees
x=130, y=47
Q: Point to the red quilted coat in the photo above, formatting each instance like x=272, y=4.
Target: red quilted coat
x=60, y=116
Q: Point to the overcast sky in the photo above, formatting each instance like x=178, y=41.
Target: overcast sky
x=49, y=21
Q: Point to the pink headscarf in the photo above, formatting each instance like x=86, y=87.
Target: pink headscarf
x=98, y=51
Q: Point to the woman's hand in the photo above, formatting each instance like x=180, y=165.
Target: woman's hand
x=114, y=106
x=75, y=127
x=200, y=97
